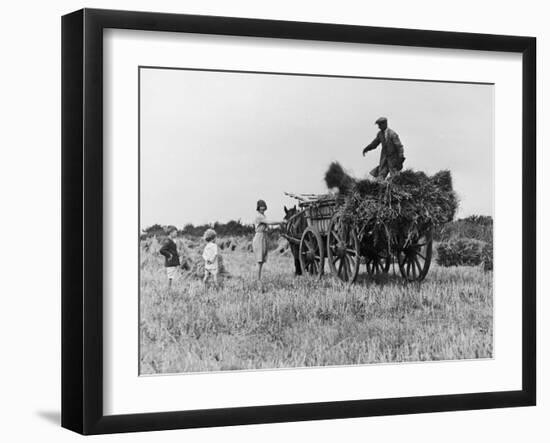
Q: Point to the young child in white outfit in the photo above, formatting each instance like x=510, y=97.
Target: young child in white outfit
x=210, y=256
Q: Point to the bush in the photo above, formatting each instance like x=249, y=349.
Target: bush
x=487, y=256
x=155, y=230
x=460, y=252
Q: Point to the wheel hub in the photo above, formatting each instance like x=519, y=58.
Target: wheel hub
x=341, y=249
x=411, y=252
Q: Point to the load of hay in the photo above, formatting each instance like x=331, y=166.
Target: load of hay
x=408, y=203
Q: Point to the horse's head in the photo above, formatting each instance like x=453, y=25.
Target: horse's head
x=289, y=212
x=292, y=220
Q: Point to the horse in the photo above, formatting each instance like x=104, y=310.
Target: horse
x=294, y=227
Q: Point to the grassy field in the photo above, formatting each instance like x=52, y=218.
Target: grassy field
x=300, y=321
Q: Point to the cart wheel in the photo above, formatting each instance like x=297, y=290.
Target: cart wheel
x=312, y=254
x=378, y=262
x=415, y=257
x=343, y=250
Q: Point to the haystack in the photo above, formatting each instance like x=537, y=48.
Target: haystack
x=410, y=202
x=336, y=177
x=194, y=266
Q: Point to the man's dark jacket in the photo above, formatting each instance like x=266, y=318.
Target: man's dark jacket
x=391, y=155
x=170, y=252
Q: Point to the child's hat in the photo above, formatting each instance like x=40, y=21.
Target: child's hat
x=209, y=234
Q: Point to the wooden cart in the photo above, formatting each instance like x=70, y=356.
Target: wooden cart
x=321, y=234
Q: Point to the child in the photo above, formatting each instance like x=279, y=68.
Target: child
x=259, y=243
x=170, y=252
x=210, y=256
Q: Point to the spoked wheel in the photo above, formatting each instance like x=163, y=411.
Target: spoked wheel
x=415, y=257
x=343, y=250
x=377, y=261
x=312, y=254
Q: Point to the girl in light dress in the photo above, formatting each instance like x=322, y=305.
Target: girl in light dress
x=259, y=243
x=211, y=258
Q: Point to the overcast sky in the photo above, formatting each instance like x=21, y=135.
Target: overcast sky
x=212, y=143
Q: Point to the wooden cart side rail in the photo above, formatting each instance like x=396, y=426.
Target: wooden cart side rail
x=305, y=199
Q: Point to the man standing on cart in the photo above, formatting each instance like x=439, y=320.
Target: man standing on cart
x=391, y=156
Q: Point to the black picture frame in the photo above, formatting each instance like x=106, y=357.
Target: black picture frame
x=82, y=220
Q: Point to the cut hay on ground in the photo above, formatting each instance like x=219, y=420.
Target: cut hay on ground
x=194, y=267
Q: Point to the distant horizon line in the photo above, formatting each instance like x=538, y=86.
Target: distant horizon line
x=248, y=224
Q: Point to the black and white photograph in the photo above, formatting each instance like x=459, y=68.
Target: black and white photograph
x=300, y=220
x=274, y=222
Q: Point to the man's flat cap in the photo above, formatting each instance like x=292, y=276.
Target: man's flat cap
x=381, y=120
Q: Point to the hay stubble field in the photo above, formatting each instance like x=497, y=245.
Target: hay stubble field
x=291, y=322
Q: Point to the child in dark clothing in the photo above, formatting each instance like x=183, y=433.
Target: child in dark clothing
x=170, y=252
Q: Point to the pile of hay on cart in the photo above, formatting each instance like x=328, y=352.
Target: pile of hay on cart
x=410, y=202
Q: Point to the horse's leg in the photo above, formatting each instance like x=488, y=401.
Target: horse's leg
x=297, y=266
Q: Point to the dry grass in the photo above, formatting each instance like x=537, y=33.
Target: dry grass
x=299, y=321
